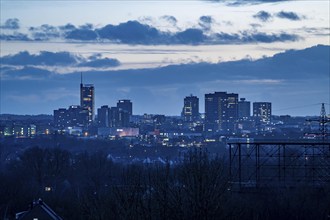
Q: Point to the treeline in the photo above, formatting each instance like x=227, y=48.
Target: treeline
x=92, y=186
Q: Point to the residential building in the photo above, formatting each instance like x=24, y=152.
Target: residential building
x=262, y=112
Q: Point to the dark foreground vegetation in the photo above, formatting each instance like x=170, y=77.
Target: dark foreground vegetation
x=92, y=186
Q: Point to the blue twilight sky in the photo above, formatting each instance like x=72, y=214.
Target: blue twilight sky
x=157, y=52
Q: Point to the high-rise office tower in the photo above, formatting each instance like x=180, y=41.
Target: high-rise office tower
x=244, y=109
x=190, y=110
x=221, y=112
x=87, y=99
x=262, y=111
x=103, y=116
x=125, y=105
x=118, y=117
x=232, y=112
x=77, y=116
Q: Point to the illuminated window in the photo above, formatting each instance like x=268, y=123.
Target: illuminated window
x=48, y=188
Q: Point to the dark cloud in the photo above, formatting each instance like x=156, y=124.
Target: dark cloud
x=84, y=32
x=44, y=32
x=268, y=38
x=132, y=32
x=95, y=56
x=289, y=15
x=11, y=23
x=171, y=19
x=255, y=37
x=105, y=62
x=44, y=58
x=14, y=37
x=67, y=27
x=206, y=19
x=86, y=26
x=27, y=73
x=81, y=34
x=205, y=22
x=287, y=77
x=190, y=36
x=263, y=16
x=225, y=38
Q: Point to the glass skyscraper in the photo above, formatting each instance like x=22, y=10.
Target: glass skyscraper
x=87, y=100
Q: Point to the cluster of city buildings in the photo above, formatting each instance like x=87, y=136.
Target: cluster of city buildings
x=225, y=114
x=25, y=126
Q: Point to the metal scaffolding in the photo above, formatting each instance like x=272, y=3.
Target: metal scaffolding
x=262, y=164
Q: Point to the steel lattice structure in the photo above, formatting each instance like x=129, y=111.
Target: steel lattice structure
x=262, y=164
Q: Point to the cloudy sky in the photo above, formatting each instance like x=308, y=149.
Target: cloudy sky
x=158, y=52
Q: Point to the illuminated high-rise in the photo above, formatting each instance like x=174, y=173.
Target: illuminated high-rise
x=74, y=116
x=262, y=111
x=87, y=100
x=190, y=110
x=221, y=112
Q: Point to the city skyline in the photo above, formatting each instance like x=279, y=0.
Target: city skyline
x=156, y=53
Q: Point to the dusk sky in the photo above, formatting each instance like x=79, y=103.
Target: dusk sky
x=157, y=52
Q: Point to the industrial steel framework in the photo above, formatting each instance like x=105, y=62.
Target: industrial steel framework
x=261, y=164
x=323, y=121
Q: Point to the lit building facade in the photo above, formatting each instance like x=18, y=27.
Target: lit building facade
x=262, y=112
x=87, y=100
x=221, y=112
x=74, y=116
x=190, y=110
x=60, y=118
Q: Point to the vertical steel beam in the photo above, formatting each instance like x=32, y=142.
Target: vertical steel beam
x=239, y=166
